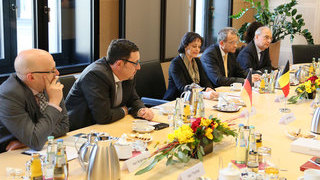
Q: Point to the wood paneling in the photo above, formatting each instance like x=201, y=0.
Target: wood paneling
x=109, y=23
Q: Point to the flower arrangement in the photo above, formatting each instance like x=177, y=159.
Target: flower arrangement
x=305, y=89
x=189, y=141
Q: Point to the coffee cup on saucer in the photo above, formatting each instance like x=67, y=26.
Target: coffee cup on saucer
x=310, y=174
x=140, y=125
x=236, y=86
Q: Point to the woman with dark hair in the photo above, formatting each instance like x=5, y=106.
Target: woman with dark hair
x=186, y=68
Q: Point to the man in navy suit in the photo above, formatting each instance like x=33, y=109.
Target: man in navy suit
x=256, y=54
x=219, y=61
x=105, y=91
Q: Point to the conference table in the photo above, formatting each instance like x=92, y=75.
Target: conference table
x=266, y=121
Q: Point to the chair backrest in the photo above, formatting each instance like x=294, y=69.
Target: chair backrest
x=67, y=82
x=150, y=81
x=305, y=53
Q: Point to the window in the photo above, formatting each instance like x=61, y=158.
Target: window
x=65, y=28
x=1, y=32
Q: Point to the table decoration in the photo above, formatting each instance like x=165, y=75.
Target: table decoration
x=190, y=141
x=306, y=90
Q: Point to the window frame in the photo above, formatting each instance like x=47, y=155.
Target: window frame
x=40, y=37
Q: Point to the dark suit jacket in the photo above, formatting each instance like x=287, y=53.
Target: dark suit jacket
x=212, y=62
x=248, y=58
x=91, y=98
x=20, y=116
x=179, y=77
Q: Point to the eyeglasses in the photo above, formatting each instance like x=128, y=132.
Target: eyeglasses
x=52, y=71
x=135, y=63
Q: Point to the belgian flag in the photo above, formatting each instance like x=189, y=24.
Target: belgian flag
x=284, y=80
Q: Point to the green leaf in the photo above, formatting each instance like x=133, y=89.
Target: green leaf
x=148, y=168
x=199, y=154
x=294, y=12
x=170, y=161
x=299, y=16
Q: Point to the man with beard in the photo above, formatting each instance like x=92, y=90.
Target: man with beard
x=105, y=91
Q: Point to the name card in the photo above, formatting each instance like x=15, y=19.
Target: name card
x=192, y=173
x=286, y=119
x=133, y=163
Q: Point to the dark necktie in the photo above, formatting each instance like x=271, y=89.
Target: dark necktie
x=43, y=102
x=118, y=98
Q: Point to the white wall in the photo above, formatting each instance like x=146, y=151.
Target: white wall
x=179, y=21
x=143, y=26
x=310, y=10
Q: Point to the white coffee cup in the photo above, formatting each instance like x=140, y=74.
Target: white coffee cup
x=140, y=125
x=311, y=174
x=236, y=86
x=124, y=151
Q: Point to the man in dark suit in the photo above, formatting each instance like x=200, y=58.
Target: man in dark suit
x=31, y=101
x=256, y=54
x=105, y=91
x=219, y=61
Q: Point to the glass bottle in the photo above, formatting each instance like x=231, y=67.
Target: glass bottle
x=262, y=85
x=252, y=161
x=271, y=170
x=49, y=163
x=241, y=149
x=177, y=121
x=60, y=169
x=186, y=113
x=200, y=107
x=258, y=140
x=266, y=80
x=35, y=167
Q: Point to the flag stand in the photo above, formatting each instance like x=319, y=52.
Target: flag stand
x=285, y=109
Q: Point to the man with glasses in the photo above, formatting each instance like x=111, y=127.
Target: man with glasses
x=105, y=91
x=256, y=54
x=32, y=107
x=219, y=61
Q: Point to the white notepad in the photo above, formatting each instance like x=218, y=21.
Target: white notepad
x=306, y=146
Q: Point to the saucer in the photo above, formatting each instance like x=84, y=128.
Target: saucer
x=227, y=108
x=235, y=89
x=143, y=130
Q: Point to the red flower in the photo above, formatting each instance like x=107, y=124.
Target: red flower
x=195, y=124
x=312, y=79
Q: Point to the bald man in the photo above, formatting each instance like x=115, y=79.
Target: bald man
x=256, y=54
x=31, y=101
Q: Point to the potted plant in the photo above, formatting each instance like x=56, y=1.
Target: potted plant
x=283, y=21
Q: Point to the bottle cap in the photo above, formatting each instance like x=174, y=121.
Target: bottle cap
x=59, y=140
x=241, y=125
x=50, y=137
x=251, y=127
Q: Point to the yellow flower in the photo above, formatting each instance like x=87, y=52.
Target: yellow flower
x=183, y=134
x=171, y=137
x=225, y=125
x=215, y=125
x=299, y=90
x=205, y=122
x=208, y=133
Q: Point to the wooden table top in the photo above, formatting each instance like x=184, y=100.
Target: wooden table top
x=266, y=121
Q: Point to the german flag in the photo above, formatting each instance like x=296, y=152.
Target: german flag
x=246, y=92
x=284, y=80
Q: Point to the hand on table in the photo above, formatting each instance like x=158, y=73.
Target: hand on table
x=210, y=94
x=15, y=144
x=145, y=113
x=256, y=77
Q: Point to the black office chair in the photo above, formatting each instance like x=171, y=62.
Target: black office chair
x=150, y=84
x=67, y=82
x=305, y=53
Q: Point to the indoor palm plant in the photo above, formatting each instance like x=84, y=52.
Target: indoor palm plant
x=283, y=20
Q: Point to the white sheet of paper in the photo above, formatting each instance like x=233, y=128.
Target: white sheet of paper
x=133, y=163
x=71, y=152
x=192, y=173
x=286, y=119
